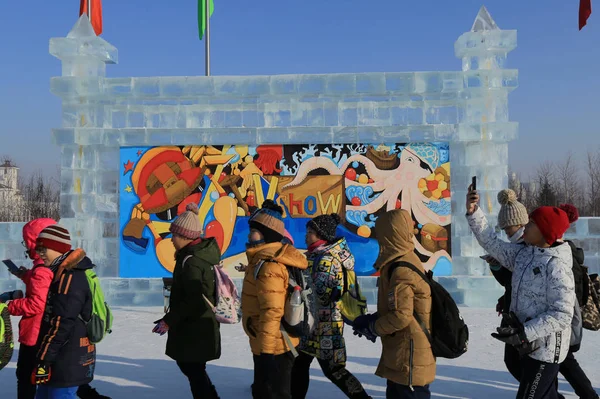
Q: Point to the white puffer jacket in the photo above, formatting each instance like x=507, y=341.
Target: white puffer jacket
x=543, y=289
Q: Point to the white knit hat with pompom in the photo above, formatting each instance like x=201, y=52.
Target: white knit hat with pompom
x=187, y=225
x=512, y=212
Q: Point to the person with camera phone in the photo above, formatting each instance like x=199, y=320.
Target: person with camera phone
x=538, y=324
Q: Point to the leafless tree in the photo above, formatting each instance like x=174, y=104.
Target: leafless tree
x=41, y=197
x=593, y=182
x=37, y=197
x=567, y=180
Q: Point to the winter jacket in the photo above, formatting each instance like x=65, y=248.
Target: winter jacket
x=543, y=296
x=37, y=282
x=504, y=277
x=406, y=356
x=325, y=268
x=64, y=345
x=194, y=333
x=264, y=294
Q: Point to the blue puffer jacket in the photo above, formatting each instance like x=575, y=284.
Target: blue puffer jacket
x=543, y=289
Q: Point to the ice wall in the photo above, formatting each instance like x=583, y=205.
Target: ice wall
x=468, y=108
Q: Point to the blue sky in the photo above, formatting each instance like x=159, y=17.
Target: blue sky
x=556, y=103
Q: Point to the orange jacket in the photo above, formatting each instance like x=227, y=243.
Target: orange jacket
x=264, y=293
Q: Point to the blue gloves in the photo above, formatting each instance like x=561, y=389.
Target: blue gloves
x=365, y=325
x=7, y=296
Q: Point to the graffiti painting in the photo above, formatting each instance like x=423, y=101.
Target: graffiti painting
x=356, y=181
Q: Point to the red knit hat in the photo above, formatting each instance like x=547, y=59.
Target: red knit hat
x=571, y=212
x=553, y=222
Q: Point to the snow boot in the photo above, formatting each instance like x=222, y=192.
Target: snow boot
x=87, y=392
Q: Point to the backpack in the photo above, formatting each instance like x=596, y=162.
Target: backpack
x=352, y=303
x=299, y=320
x=6, y=336
x=100, y=323
x=590, y=312
x=449, y=335
x=227, y=307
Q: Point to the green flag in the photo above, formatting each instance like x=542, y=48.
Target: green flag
x=202, y=16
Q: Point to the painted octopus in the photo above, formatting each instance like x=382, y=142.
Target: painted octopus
x=417, y=161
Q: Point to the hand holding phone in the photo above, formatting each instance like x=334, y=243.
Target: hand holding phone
x=14, y=269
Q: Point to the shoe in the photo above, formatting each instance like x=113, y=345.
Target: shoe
x=87, y=392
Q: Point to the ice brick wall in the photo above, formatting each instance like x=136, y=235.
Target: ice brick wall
x=468, y=108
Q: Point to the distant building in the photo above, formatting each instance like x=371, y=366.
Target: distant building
x=10, y=196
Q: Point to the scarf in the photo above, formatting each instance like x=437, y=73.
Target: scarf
x=58, y=261
x=312, y=247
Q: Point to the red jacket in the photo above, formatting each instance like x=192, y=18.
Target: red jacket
x=37, y=282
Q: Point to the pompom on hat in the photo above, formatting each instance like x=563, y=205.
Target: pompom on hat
x=187, y=225
x=512, y=212
x=571, y=211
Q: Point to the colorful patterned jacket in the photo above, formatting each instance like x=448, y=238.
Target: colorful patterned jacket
x=325, y=266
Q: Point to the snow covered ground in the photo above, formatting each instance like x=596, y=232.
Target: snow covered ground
x=131, y=363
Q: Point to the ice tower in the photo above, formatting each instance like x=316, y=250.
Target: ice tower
x=467, y=109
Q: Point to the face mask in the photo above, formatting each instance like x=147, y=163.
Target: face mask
x=517, y=236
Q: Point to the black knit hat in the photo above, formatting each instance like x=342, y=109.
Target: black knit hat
x=325, y=226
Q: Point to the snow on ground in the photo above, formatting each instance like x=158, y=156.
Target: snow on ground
x=131, y=363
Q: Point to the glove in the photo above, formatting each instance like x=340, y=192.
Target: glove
x=500, y=305
x=10, y=295
x=161, y=327
x=365, y=325
x=513, y=333
x=6, y=296
x=41, y=374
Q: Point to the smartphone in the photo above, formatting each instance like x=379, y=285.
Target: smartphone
x=14, y=269
x=474, y=183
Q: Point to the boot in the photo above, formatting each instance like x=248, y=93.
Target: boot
x=87, y=392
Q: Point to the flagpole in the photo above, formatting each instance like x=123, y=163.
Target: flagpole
x=207, y=37
x=89, y=9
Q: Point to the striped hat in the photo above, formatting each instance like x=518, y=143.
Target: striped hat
x=56, y=238
x=269, y=221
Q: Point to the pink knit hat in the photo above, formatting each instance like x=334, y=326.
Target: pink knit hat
x=187, y=225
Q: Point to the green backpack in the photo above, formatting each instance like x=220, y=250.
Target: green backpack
x=101, y=321
x=6, y=336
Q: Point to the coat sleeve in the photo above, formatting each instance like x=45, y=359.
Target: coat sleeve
x=271, y=286
x=197, y=279
x=35, y=301
x=66, y=305
x=505, y=253
x=328, y=277
x=503, y=276
x=561, y=302
x=400, y=302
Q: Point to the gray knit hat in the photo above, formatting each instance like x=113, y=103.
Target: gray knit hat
x=187, y=224
x=512, y=212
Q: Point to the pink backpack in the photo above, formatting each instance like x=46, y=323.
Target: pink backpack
x=227, y=309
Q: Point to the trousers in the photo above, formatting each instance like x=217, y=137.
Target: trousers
x=25, y=365
x=335, y=372
x=46, y=392
x=538, y=379
x=200, y=383
x=397, y=391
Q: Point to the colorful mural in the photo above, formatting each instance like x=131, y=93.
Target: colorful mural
x=357, y=181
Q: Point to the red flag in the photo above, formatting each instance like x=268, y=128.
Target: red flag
x=96, y=14
x=585, y=10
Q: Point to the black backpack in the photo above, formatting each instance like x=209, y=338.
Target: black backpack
x=449, y=336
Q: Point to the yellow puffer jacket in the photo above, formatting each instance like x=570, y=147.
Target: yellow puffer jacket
x=264, y=295
x=406, y=356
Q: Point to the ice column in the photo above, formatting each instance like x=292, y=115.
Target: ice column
x=89, y=182
x=481, y=148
